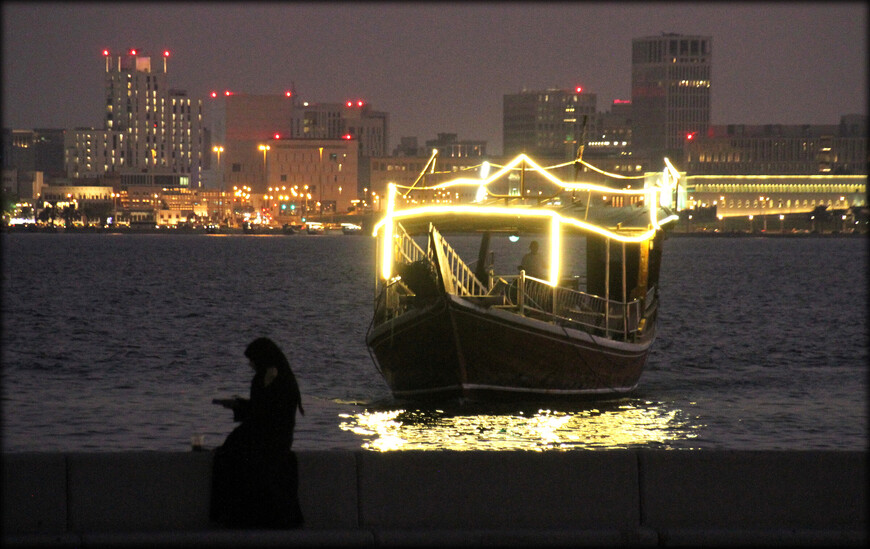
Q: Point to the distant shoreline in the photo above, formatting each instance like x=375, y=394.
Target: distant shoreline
x=19, y=229
x=768, y=234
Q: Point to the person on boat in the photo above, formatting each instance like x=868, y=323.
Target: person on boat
x=533, y=262
x=255, y=476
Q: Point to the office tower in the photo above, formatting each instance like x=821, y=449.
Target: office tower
x=149, y=127
x=546, y=123
x=670, y=94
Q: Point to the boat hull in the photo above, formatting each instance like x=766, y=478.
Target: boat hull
x=454, y=348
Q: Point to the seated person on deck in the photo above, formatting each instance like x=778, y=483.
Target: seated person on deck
x=533, y=262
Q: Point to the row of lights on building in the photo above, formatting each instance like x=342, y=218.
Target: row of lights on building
x=133, y=51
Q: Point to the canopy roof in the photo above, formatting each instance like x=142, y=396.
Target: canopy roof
x=561, y=211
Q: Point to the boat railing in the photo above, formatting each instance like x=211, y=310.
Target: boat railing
x=464, y=280
x=406, y=247
x=397, y=294
x=576, y=309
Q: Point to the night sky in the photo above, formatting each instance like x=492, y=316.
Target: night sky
x=435, y=67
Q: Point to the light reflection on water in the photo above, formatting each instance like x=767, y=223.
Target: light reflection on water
x=624, y=425
x=762, y=345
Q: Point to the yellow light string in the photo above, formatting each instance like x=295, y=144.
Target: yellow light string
x=555, y=250
x=387, y=255
x=556, y=219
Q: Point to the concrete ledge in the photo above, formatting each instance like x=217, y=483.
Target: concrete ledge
x=712, y=537
x=643, y=498
x=139, y=491
x=459, y=490
x=753, y=490
x=526, y=537
x=34, y=493
x=29, y=541
x=231, y=539
x=328, y=491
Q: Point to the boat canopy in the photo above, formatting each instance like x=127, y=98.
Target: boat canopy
x=573, y=207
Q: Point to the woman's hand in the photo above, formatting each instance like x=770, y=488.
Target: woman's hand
x=231, y=403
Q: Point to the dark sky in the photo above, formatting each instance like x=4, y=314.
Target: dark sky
x=435, y=67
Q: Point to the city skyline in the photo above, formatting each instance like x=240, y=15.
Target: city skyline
x=435, y=67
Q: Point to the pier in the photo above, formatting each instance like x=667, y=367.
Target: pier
x=363, y=498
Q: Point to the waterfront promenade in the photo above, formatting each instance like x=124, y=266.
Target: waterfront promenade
x=362, y=498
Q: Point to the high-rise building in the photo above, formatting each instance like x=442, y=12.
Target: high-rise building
x=670, y=94
x=240, y=124
x=354, y=119
x=546, y=123
x=149, y=127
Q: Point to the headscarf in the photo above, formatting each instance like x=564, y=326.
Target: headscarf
x=265, y=354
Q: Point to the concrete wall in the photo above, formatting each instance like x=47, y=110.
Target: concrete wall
x=365, y=498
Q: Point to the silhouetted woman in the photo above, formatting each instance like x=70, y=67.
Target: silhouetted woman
x=255, y=477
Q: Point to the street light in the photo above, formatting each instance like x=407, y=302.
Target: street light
x=320, y=183
x=781, y=223
x=115, y=208
x=264, y=148
x=218, y=149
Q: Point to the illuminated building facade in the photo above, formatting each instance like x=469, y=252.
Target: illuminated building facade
x=547, y=123
x=310, y=176
x=148, y=126
x=89, y=152
x=670, y=94
x=778, y=149
x=744, y=195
